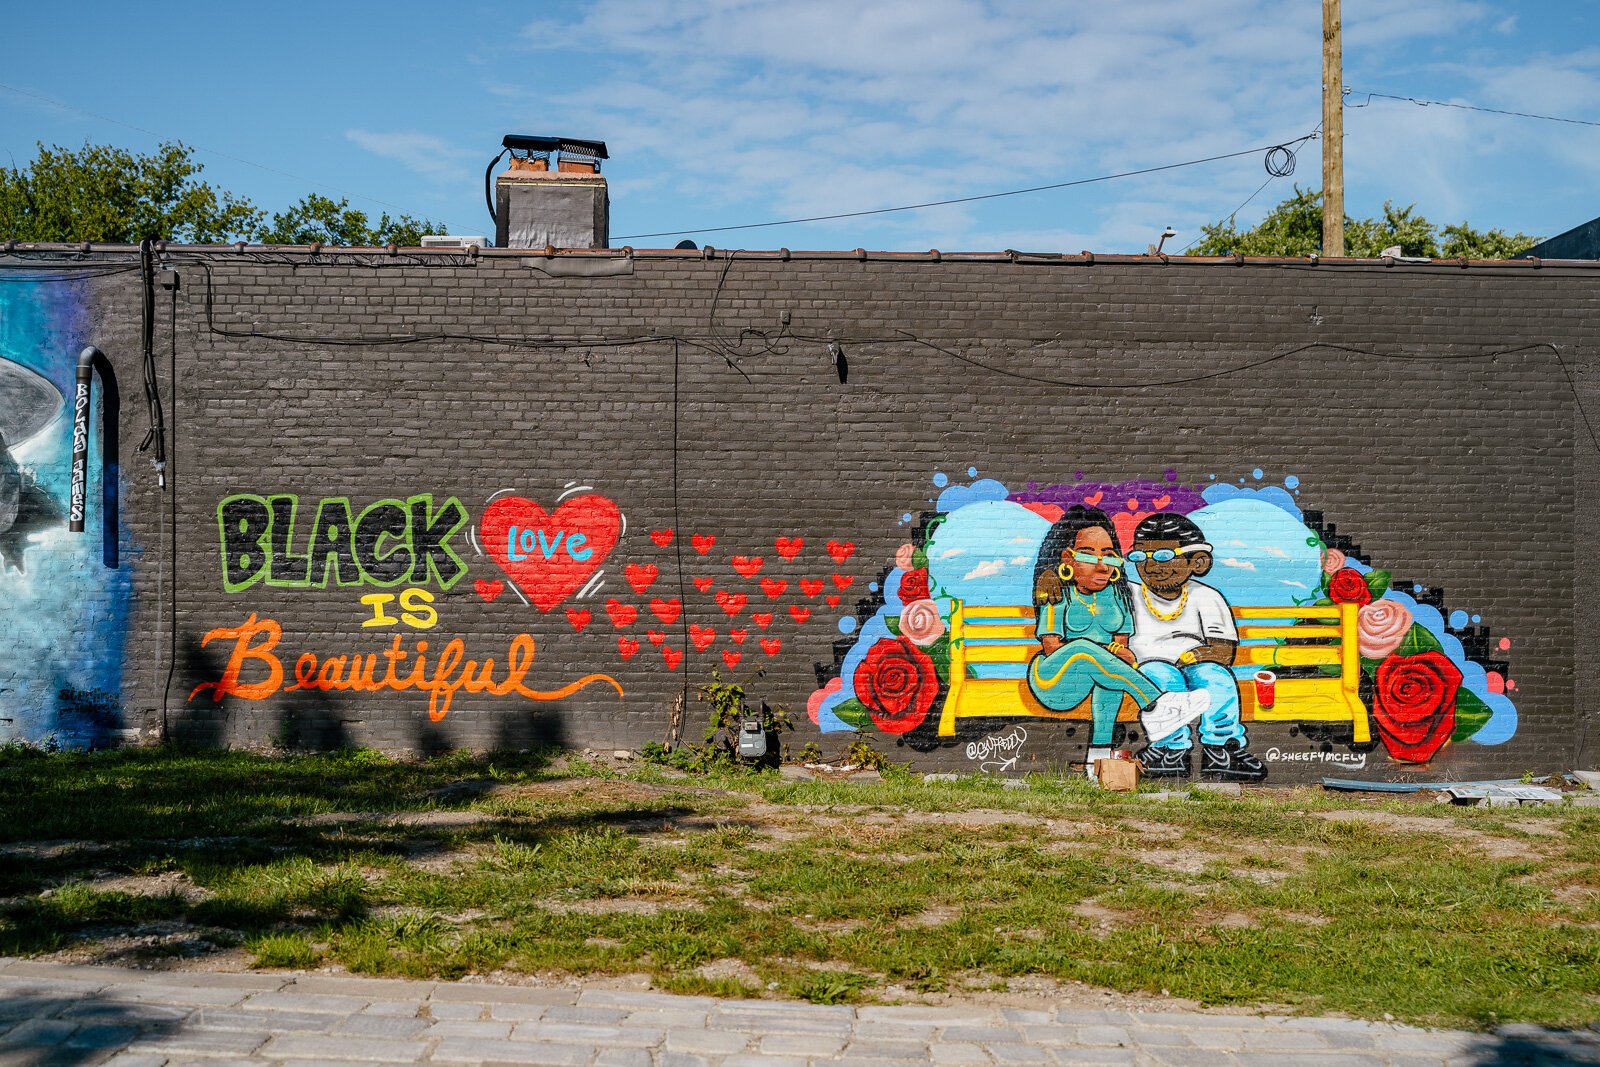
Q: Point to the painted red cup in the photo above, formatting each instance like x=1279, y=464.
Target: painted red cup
x=1266, y=689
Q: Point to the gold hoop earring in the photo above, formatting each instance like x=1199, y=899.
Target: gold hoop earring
x=1116, y=574
x=1064, y=572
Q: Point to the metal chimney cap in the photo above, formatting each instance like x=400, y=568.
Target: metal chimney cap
x=526, y=143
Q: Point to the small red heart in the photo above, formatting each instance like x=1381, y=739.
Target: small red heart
x=672, y=656
x=655, y=636
x=737, y=636
x=732, y=656
x=489, y=589
x=704, y=584
x=832, y=599
x=621, y=614
x=789, y=547
x=1094, y=501
x=1133, y=503
x=661, y=537
x=1160, y=502
x=811, y=586
x=798, y=613
x=843, y=580
x=773, y=587
x=762, y=619
x=1051, y=512
x=747, y=565
x=702, y=542
x=701, y=636
x=770, y=645
x=840, y=550
x=730, y=603
x=641, y=575
x=666, y=610
x=579, y=617
x=626, y=647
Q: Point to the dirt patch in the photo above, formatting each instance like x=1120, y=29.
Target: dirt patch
x=607, y=906
x=156, y=885
x=730, y=970
x=1103, y=920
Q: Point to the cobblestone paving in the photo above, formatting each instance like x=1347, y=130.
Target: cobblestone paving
x=59, y=1014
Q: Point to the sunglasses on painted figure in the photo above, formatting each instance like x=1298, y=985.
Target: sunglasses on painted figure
x=1094, y=558
x=1165, y=555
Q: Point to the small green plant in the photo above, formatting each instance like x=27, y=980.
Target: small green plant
x=289, y=951
x=810, y=753
x=862, y=754
x=730, y=707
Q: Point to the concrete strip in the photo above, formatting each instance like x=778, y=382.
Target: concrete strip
x=329, y=1047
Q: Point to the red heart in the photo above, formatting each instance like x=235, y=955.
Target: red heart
x=655, y=636
x=732, y=656
x=672, y=656
x=731, y=603
x=843, y=580
x=1094, y=501
x=641, y=575
x=626, y=647
x=747, y=565
x=1124, y=523
x=770, y=645
x=489, y=589
x=773, y=587
x=704, y=584
x=701, y=636
x=811, y=586
x=832, y=599
x=798, y=613
x=661, y=537
x=539, y=558
x=763, y=619
x=737, y=636
x=666, y=610
x=1160, y=502
x=1051, y=512
x=789, y=547
x=840, y=550
x=702, y=543
x=621, y=614
x=579, y=617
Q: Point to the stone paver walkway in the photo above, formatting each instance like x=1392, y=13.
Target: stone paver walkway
x=59, y=1014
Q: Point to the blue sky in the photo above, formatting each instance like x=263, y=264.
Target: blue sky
x=732, y=111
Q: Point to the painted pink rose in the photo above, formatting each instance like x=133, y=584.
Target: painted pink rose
x=921, y=623
x=1382, y=625
x=905, y=557
x=1332, y=560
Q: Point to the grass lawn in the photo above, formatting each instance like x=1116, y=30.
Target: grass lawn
x=748, y=885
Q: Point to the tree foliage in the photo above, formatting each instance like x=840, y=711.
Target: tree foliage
x=319, y=219
x=1294, y=228
x=107, y=194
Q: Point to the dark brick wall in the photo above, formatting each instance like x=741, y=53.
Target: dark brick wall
x=1448, y=466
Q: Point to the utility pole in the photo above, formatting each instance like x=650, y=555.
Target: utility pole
x=1332, y=132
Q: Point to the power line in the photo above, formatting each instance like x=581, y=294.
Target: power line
x=200, y=148
x=1464, y=107
x=971, y=199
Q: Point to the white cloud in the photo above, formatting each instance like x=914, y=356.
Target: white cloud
x=951, y=553
x=424, y=154
x=987, y=569
x=1021, y=561
x=1238, y=564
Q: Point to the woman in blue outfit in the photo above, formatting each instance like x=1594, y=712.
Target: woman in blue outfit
x=1085, y=620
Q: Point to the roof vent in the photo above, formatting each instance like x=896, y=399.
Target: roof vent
x=440, y=240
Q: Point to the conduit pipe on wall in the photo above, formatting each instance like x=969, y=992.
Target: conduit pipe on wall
x=91, y=361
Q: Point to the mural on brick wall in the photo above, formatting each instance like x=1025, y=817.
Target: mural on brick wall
x=63, y=611
x=1168, y=615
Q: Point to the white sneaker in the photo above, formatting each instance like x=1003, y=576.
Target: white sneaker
x=1172, y=712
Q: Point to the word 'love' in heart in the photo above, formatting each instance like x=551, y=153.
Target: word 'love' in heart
x=549, y=555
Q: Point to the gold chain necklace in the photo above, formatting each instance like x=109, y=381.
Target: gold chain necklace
x=1094, y=609
x=1150, y=603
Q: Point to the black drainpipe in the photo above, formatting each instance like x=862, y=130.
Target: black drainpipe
x=91, y=360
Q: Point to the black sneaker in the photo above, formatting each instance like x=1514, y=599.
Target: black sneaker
x=1165, y=762
x=1230, y=762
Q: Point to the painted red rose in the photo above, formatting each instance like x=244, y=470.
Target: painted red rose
x=1414, y=704
x=897, y=682
x=914, y=585
x=1346, y=586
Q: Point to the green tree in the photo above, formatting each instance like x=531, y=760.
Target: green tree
x=319, y=219
x=1294, y=228
x=101, y=193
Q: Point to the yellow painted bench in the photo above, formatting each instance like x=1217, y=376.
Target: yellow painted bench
x=990, y=648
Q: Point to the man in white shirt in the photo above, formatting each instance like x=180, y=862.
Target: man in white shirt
x=1184, y=640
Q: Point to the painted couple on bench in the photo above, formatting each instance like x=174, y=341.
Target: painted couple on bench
x=1169, y=643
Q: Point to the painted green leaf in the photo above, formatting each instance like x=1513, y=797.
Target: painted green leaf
x=893, y=623
x=939, y=652
x=1378, y=582
x=1471, y=714
x=1418, y=640
x=1324, y=602
x=854, y=714
x=919, y=558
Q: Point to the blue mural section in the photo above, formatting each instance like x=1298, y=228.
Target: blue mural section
x=63, y=611
x=962, y=614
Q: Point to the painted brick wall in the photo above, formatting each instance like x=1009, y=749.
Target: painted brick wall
x=1375, y=393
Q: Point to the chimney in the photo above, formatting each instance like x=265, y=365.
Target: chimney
x=565, y=205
